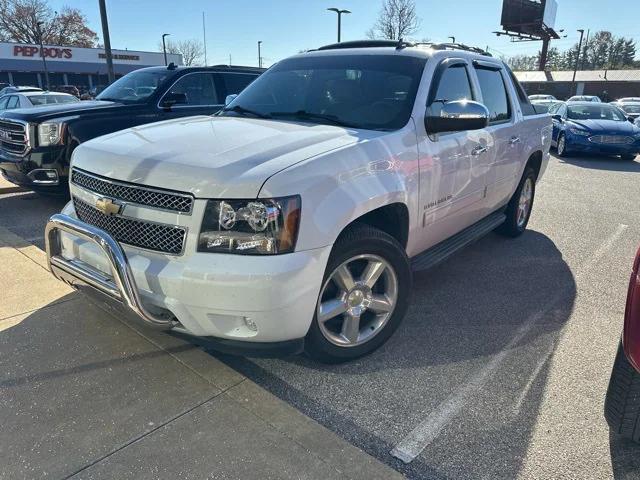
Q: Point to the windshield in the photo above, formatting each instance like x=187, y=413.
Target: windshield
x=52, y=99
x=135, y=87
x=369, y=92
x=595, y=112
x=631, y=108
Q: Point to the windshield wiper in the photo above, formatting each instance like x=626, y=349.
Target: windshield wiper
x=304, y=115
x=245, y=111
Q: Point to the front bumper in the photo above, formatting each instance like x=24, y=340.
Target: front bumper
x=45, y=168
x=577, y=143
x=238, y=300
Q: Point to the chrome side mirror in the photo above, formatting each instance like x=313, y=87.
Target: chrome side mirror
x=456, y=116
x=229, y=99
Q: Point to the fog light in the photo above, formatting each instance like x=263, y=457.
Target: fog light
x=251, y=325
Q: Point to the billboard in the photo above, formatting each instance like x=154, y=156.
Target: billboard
x=530, y=17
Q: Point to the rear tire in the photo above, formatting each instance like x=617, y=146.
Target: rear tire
x=364, y=321
x=519, y=207
x=622, y=404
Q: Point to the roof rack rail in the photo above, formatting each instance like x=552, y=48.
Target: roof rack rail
x=400, y=44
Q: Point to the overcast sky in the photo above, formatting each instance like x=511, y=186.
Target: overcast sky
x=287, y=26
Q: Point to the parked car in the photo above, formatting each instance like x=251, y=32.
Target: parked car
x=594, y=128
x=36, y=144
x=543, y=106
x=29, y=99
x=542, y=98
x=585, y=98
x=70, y=89
x=631, y=109
x=12, y=89
x=622, y=403
x=292, y=219
x=628, y=100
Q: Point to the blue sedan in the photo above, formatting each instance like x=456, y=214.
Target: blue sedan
x=597, y=128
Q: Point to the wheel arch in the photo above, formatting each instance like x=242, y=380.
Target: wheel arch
x=392, y=219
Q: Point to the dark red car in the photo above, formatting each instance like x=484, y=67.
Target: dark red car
x=622, y=405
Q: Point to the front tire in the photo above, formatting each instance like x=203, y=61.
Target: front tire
x=519, y=207
x=622, y=404
x=562, y=146
x=364, y=296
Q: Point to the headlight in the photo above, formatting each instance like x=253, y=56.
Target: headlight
x=49, y=133
x=250, y=227
x=582, y=133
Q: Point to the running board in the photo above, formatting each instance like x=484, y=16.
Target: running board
x=443, y=250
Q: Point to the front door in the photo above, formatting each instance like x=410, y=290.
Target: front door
x=453, y=166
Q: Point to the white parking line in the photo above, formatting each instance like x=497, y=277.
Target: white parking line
x=428, y=430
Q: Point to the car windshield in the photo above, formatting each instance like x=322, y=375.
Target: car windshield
x=631, y=108
x=369, y=92
x=51, y=99
x=594, y=112
x=135, y=87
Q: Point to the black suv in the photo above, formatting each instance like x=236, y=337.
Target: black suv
x=36, y=143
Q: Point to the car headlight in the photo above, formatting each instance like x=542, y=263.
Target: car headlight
x=582, y=133
x=50, y=133
x=250, y=227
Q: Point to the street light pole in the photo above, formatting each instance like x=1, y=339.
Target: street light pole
x=107, y=41
x=259, y=54
x=164, y=47
x=453, y=39
x=42, y=53
x=575, y=70
x=339, y=12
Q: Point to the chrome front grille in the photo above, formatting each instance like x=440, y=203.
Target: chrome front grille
x=139, y=233
x=14, y=137
x=129, y=192
x=612, y=139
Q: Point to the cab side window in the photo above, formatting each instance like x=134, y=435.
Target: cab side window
x=494, y=94
x=3, y=102
x=454, y=85
x=234, y=83
x=199, y=90
x=14, y=102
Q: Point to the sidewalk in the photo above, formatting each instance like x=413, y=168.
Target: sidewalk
x=8, y=187
x=84, y=394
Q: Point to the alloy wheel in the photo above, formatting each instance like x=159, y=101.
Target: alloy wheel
x=524, y=203
x=357, y=300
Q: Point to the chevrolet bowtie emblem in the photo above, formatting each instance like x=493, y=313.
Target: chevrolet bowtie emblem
x=108, y=206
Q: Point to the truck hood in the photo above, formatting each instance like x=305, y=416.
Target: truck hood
x=210, y=157
x=47, y=112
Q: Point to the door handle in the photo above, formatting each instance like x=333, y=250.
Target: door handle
x=514, y=140
x=479, y=150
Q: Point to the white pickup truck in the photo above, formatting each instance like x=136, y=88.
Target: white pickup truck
x=292, y=220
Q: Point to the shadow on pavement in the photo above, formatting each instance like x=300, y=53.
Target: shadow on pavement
x=463, y=313
x=598, y=162
x=625, y=457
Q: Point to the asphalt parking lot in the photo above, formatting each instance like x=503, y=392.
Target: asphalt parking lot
x=501, y=366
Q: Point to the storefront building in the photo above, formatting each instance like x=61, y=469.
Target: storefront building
x=22, y=64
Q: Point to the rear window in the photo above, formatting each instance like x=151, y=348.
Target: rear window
x=51, y=99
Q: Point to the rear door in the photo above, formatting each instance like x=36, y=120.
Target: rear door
x=507, y=143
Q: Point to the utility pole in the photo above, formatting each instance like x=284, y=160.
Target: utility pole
x=584, y=54
x=164, y=47
x=42, y=53
x=339, y=12
x=107, y=41
x=259, y=54
x=204, y=38
x=575, y=70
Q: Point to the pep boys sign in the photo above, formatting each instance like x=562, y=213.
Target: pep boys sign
x=47, y=52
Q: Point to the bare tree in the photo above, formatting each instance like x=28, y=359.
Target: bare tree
x=191, y=50
x=397, y=19
x=25, y=20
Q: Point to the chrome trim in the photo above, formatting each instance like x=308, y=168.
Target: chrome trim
x=27, y=136
x=122, y=183
x=184, y=228
x=120, y=287
x=43, y=182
